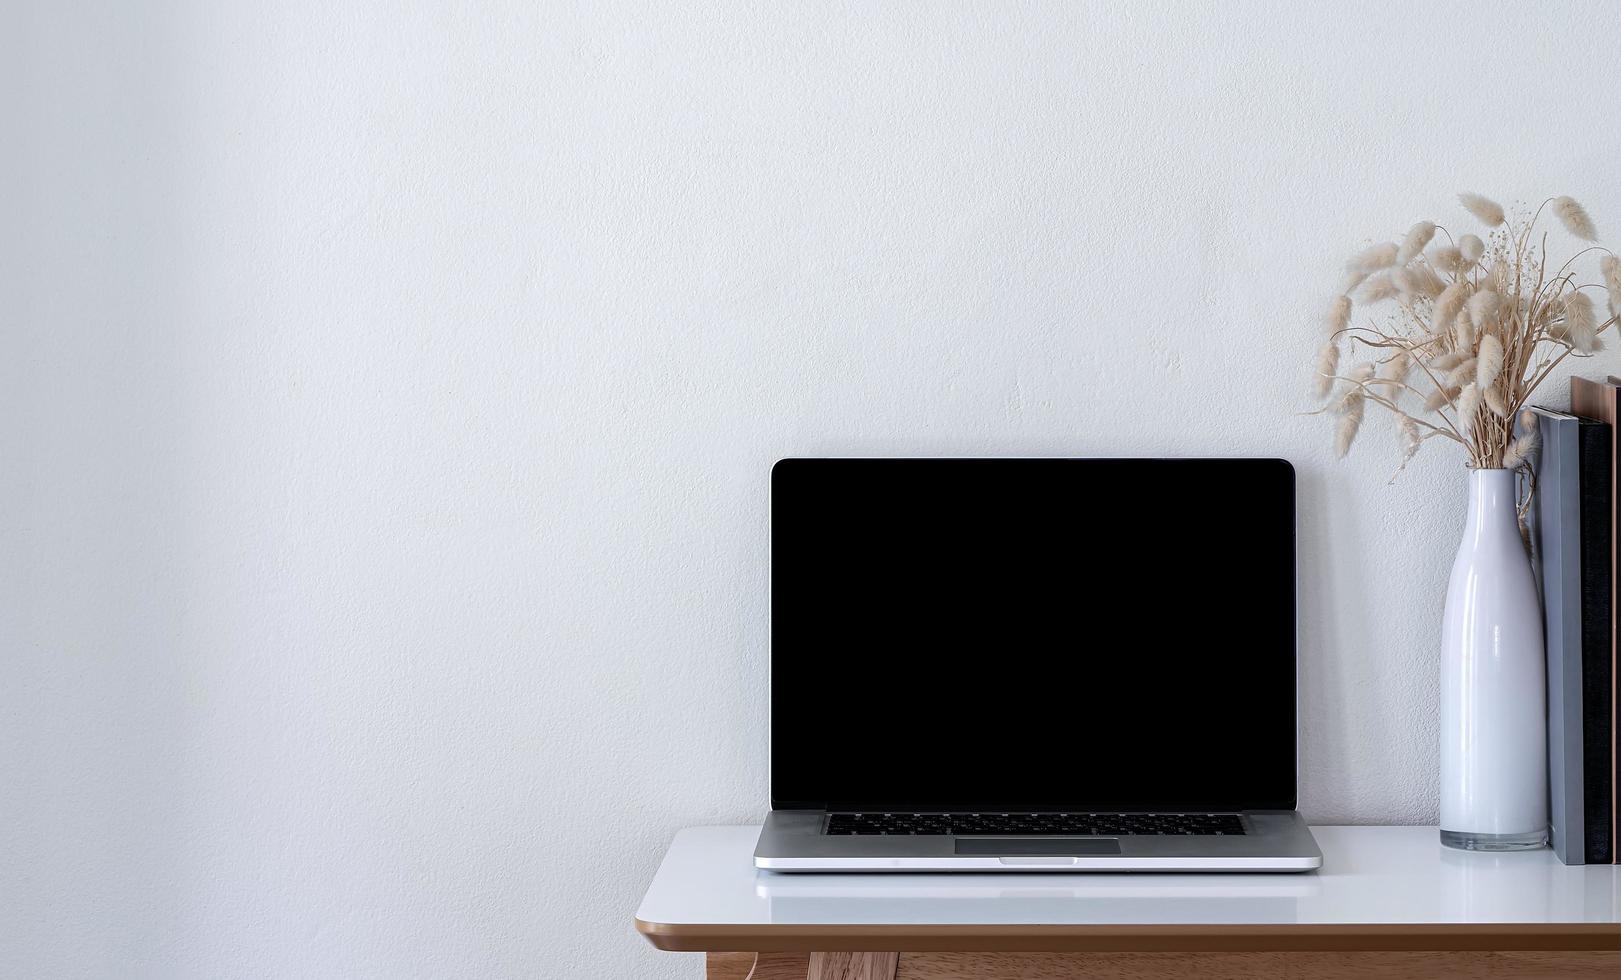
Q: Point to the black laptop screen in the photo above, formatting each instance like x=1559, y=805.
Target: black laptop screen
x=1032, y=634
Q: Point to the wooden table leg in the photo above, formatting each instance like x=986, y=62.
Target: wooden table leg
x=853, y=966
x=765, y=966
x=804, y=966
x=730, y=966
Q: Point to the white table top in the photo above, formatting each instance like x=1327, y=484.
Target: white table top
x=707, y=895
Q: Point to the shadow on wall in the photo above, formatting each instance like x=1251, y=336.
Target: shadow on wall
x=94, y=577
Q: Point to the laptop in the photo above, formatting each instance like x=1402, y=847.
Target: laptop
x=1033, y=665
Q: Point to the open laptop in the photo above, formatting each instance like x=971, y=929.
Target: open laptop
x=1033, y=665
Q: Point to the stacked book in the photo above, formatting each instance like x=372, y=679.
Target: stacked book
x=1574, y=520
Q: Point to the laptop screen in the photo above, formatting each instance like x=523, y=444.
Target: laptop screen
x=1071, y=634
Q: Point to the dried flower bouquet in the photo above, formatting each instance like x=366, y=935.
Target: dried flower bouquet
x=1462, y=333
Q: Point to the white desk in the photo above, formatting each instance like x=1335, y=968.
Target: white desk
x=1390, y=893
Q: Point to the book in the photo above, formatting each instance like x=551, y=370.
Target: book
x=1570, y=545
x=1554, y=520
x=1601, y=401
x=1597, y=686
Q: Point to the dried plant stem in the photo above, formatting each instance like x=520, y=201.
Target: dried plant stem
x=1483, y=322
x=1371, y=395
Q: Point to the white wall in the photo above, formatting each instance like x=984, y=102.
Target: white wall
x=387, y=396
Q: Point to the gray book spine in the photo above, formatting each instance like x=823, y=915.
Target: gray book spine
x=1556, y=542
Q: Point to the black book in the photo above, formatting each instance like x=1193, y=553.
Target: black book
x=1600, y=503
x=1597, y=775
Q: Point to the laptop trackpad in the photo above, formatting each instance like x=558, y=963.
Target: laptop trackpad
x=1038, y=846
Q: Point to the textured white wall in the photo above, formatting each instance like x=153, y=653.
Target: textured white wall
x=387, y=395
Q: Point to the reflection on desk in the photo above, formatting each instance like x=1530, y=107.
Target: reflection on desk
x=976, y=898
x=1371, y=875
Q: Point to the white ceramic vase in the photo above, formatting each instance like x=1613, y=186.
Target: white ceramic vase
x=1494, y=761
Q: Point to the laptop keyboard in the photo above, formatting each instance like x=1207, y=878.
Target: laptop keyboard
x=1037, y=824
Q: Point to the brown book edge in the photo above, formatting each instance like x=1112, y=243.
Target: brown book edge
x=1599, y=400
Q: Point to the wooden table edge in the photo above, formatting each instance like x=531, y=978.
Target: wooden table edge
x=1473, y=936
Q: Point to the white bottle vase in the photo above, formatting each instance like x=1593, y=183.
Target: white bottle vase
x=1494, y=761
